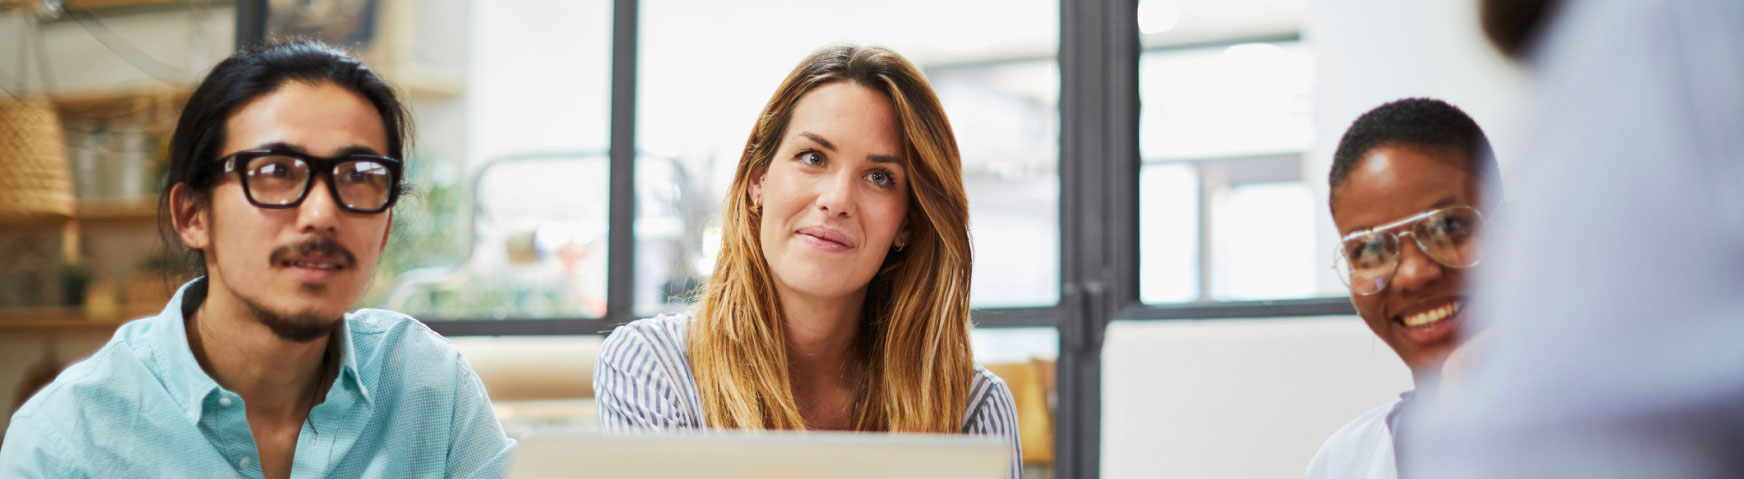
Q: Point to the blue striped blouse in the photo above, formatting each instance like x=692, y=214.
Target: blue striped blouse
x=642, y=381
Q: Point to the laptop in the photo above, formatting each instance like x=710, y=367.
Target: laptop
x=745, y=455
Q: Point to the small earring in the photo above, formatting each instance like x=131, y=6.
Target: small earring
x=899, y=248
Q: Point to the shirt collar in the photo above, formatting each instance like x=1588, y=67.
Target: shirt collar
x=348, y=373
x=172, y=360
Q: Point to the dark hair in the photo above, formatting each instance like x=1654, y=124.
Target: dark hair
x=247, y=75
x=1421, y=122
x=1514, y=26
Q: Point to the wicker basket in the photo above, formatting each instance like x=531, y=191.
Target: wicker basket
x=36, y=184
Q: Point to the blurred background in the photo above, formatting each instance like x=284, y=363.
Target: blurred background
x=1203, y=334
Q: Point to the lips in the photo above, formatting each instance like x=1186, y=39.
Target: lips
x=826, y=238
x=1433, y=314
x=314, y=262
x=1431, y=321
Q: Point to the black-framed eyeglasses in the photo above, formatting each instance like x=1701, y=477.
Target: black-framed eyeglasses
x=1367, y=259
x=281, y=179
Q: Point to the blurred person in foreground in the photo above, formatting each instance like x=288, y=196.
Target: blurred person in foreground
x=1617, y=295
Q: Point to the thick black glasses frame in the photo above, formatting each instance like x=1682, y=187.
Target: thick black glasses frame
x=319, y=167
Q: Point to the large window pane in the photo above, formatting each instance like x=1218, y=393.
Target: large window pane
x=1259, y=230
x=706, y=69
x=1168, y=232
x=1227, y=209
x=509, y=216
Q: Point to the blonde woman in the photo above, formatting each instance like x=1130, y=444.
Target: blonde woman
x=840, y=299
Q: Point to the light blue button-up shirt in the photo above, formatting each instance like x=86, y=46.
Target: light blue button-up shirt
x=405, y=404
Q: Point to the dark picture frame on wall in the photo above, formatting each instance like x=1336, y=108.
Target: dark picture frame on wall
x=350, y=24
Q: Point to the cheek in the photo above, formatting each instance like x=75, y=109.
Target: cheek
x=1369, y=307
x=1457, y=277
x=784, y=192
x=239, y=226
x=884, y=215
x=366, y=239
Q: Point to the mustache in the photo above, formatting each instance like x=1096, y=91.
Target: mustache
x=320, y=246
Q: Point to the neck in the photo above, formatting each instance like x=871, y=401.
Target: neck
x=821, y=335
x=1426, y=381
x=274, y=376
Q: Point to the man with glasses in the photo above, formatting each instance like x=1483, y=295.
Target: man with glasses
x=283, y=171
x=1407, y=184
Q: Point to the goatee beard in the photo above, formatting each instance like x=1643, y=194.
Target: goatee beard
x=298, y=328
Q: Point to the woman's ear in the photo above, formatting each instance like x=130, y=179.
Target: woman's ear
x=758, y=174
x=901, y=240
x=193, y=224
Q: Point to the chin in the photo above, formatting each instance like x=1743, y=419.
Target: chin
x=821, y=285
x=1431, y=359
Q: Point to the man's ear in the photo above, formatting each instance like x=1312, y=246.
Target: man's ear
x=193, y=224
x=386, y=233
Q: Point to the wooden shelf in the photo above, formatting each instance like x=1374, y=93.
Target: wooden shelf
x=60, y=318
x=100, y=4
x=100, y=103
x=32, y=222
x=116, y=211
x=90, y=213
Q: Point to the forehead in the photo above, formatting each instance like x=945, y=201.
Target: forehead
x=1396, y=181
x=320, y=118
x=848, y=114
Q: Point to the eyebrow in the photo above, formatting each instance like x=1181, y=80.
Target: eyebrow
x=347, y=151
x=1443, y=203
x=832, y=147
x=819, y=140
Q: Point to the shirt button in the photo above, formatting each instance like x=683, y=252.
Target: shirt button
x=225, y=402
x=242, y=463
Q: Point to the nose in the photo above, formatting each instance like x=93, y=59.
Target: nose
x=319, y=213
x=1416, y=269
x=837, y=197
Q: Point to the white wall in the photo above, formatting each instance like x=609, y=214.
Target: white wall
x=1235, y=398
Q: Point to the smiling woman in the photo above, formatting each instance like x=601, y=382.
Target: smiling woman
x=840, y=297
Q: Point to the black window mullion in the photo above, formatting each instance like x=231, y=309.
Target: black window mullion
x=1048, y=317
x=1099, y=186
x=620, y=230
x=250, y=23
x=1281, y=308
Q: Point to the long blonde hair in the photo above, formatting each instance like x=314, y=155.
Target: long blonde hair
x=914, y=339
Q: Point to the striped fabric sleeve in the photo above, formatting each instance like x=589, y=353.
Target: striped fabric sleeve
x=633, y=387
x=994, y=412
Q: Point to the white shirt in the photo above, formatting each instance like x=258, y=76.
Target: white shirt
x=1362, y=449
